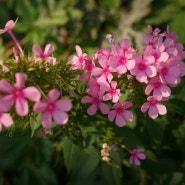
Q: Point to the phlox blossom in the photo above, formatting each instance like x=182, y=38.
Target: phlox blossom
x=158, y=87
x=113, y=93
x=18, y=95
x=5, y=120
x=154, y=107
x=144, y=68
x=79, y=61
x=53, y=108
x=8, y=26
x=95, y=99
x=136, y=156
x=44, y=55
x=120, y=113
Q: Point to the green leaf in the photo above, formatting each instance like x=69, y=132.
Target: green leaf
x=35, y=122
x=71, y=153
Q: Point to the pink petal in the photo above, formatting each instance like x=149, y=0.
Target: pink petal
x=141, y=77
x=151, y=71
x=21, y=106
x=130, y=64
x=104, y=108
x=48, y=49
x=10, y=24
x=64, y=105
x=127, y=104
x=128, y=115
x=53, y=95
x=166, y=91
x=145, y=107
x=39, y=107
x=46, y=120
x=149, y=89
x=161, y=109
x=120, y=122
x=136, y=161
x=5, y=86
x=121, y=69
x=32, y=93
x=96, y=71
x=86, y=99
x=141, y=156
x=59, y=117
x=6, y=120
x=92, y=109
x=6, y=103
x=78, y=50
x=36, y=49
x=153, y=112
x=111, y=115
x=20, y=79
x=51, y=60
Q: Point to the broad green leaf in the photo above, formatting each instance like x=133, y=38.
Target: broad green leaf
x=35, y=122
x=71, y=153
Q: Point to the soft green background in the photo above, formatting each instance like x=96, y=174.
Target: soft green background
x=60, y=159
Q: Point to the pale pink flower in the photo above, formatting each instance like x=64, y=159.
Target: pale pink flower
x=122, y=60
x=5, y=120
x=170, y=73
x=18, y=95
x=120, y=113
x=44, y=55
x=136, y=156
x=8, y=28
x=110, y=38
x=154, y=107
x=113, y=93
x=95, y=99
x=159, y=89
x=144, y=68
x=79, y=61
x=53, y=108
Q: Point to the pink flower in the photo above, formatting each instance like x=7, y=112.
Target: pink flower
x=159, y=89
x=113, y=93
x=5, y=120
x=95, y=100
x=136, y=156
x=79, y=61
x=16, y=54
x=144, y=68
x=44, y=56
x=18, y=95
x=8, y=27
x=53, y=108
x=120, y=114
x=154, y=107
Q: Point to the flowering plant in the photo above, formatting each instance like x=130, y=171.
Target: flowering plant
x=57, y=98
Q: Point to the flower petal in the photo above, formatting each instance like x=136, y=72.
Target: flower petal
x=64, y=105
x=32, y=93
x=20, y=79
x=120, y=122
x=48, y=49
x=39, y=107
x=6, y=120
x=111, y=115
x=36, y=49
x=21, y=106
x=46, y=120
x=92, y=109
x=6, y=103
x=53, y=95
x=153, y=112
x=59, y=117
x=5, y=86
x=104, y=108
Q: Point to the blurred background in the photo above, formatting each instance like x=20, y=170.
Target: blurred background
x=66, y=23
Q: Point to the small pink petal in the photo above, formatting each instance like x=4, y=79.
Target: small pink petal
x=36, y=49
x=153, y=112
x=39, y=107
x=64, y=105
x=46, y=120
x=20, y=79
x=112, y=115
x=59, y=117
x=48, y=49
x=5, y=86
x=6, y=120
x=104, y=108
x=78, y=50
x=86, y=99
x=53, y=95
x=120, y=122
x=161, y=109
x=145, y=107
x=92, y=109
x=21, y=106
x=6, y=103
x=128, y=115
x=32, y=93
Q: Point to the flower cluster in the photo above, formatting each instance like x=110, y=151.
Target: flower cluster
x=157, y=66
